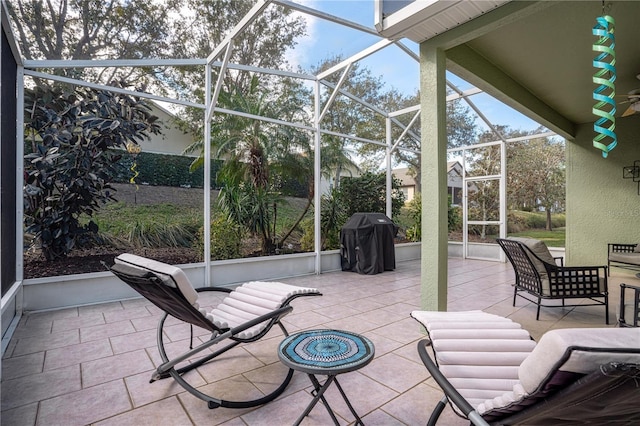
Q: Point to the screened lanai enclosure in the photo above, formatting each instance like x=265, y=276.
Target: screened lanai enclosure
x=187, y=115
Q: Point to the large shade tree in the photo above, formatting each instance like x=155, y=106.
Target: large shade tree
x=89, y=29
x=536, y=175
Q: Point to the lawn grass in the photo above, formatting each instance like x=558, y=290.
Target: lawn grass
x=118, y=218
x=128, y=222
x=555, y=238
x=169, y=224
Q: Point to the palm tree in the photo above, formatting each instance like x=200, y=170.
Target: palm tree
x=253, y=150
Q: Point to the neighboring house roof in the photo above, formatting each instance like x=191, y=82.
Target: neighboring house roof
x=172, y=139
x=454, y=172
x=403, y=175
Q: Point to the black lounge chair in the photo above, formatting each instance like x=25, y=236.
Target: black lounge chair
x=246, y=314
x=492, y=372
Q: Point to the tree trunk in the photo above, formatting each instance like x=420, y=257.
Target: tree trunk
x=548, y=210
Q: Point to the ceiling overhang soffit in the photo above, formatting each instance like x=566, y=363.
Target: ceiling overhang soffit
x=475, y=69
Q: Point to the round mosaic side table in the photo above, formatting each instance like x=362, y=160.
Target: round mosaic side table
x=326, y=352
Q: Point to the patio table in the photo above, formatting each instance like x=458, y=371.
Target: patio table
x=326, y=352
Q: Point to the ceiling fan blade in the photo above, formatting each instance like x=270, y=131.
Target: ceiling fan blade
x=630, y=111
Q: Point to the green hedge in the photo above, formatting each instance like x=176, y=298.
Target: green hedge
x=165, y=170
x=173, y=170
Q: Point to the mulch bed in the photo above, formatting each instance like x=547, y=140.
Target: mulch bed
x=90, y=260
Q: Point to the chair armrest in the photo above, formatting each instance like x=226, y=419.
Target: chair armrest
x=452, y=394
x=633, y=287
x=585, y=275
x=635, y=303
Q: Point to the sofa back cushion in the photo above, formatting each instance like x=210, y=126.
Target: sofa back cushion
x=539, y=248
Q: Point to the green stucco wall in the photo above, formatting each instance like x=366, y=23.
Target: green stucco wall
x=602, y=207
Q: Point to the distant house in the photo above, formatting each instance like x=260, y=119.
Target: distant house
x=409, y=184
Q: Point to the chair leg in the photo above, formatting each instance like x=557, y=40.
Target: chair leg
x=515, y=293
x=538, y=311
x=435, y=414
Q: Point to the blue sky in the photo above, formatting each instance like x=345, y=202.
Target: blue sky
x=326, y=39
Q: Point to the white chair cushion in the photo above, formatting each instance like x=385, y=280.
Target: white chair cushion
x=554, y=344
x=170, y=275
x=251, y=300
x=479, y=353
x=549, y=356
x=625, y=257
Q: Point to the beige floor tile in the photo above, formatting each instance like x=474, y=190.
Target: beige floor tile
x=21, y=416
x=236, y=361
x=168, y=412
x=76, y=354
x=105, y=331
x=77, y=322
x=38, y=387
x=287, y=410
x=30, y=345
x=133, y=341
x=85, y=406
x=380, y=418
x=142, y=392
x=22, y=365
x=232, y=389
x=396, y=372
x=58, y=360
x=115, y=367
x=415, y=406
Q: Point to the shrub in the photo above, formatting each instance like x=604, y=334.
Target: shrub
x=166, y=170
x=414, y=208
x=454, y=217
x=70, y=162
x=368, y=194
x=160, y=235
x=226, y=239
x=306, y=241
x=332, y=217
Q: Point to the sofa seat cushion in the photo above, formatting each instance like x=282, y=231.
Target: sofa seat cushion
x=626, y=257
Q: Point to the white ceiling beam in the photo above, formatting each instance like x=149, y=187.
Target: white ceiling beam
x=355, y=58
x=406, y=130
x=240, y=26
x=105, y=63
x=11, y=39
x=404, y=111
x=335, y=92
x=84, y=83
x=326, y=16
x=223, y=69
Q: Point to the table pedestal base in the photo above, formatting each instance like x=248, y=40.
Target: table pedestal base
x=319, y=396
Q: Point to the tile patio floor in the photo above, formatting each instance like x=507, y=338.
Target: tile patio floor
x=91, y=365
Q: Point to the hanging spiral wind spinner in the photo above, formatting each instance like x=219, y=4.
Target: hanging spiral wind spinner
x=134, y=149
x=605, y=77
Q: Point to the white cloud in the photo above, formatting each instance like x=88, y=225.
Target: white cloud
x=300, y=55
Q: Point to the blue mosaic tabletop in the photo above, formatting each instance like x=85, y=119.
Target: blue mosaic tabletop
x=327, y=352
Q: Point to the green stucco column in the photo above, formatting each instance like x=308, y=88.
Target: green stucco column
x=434, y=179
